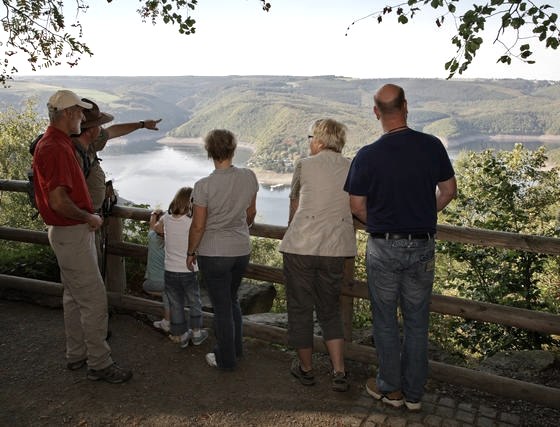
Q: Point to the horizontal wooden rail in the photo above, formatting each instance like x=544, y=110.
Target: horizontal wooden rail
x=25, y=236
x=14, y=185
x=545, y=323
x=499, y=239
x=451, y=233
x=493, y=239
x=538, y=321
x=532, y=320
x=265, y=273
x=502, y=386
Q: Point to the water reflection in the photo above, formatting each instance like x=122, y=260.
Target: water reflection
x=153, y=176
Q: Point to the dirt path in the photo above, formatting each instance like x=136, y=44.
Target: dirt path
x=171, y=386
x=174, y=387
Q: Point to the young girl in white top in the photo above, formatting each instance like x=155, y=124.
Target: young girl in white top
x=180, y=282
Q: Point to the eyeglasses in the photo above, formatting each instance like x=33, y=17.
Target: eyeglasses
x=309, y=137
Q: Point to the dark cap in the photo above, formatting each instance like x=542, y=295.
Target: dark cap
x=94, y=117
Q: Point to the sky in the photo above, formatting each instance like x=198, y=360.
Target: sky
x=296, y=37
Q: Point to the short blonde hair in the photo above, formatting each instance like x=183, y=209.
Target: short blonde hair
x=220, y=144
x=331, y=133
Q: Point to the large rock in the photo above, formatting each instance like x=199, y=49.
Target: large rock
x=256, y=298
x=280, y=320
x=253, y=298
x=518, y=364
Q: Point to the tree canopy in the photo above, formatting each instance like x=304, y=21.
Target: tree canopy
x=17, y=130
x=49, y=32
x=506, y=191
x=519, y=23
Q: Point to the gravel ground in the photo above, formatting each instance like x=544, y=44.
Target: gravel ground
x=173, y=386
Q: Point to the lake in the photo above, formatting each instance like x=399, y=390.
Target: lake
x=151, y=173
x=144, y=171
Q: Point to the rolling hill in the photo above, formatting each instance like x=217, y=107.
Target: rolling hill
x=273, y=113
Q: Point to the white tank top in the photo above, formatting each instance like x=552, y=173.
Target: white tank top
x=176, y=232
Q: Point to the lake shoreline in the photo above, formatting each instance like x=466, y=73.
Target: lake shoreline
x=171, y=140
x=457, y=142
x=277, y=180
x=265, y=177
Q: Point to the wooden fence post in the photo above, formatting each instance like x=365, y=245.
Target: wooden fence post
x=115, y=273
x=346, y=302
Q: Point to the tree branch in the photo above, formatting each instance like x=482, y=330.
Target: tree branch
x=514, y=14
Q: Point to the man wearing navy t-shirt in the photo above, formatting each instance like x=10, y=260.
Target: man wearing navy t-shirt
x=397, y=185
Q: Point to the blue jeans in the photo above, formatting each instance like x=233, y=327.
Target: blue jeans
x=153, y=286
x=401, y=272
x=222, y=277
x=178, y=286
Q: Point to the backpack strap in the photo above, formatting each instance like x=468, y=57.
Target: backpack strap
x=83, y=159
x=33, y=144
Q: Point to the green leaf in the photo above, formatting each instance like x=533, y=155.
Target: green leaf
x=505, y=59
x=436, y=3
x=517, y=22
x=552, y=42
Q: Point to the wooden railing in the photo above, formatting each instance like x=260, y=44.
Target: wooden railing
x=545, y=323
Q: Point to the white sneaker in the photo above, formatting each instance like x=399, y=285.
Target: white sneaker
x=413, y=406
x=211, y=360
x=162, y=324
x=198, y=337
x=185, y=338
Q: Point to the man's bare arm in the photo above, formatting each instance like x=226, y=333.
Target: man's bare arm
x=445, y=192
x=358, y=206
x=60, y=202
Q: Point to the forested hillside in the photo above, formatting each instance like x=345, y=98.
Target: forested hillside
x=273, y=113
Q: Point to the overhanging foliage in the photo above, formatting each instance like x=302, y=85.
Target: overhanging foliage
x=519, y=21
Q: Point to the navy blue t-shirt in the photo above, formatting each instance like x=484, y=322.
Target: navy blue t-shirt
x=398, y=174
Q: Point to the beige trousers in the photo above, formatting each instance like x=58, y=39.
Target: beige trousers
x=84, y=298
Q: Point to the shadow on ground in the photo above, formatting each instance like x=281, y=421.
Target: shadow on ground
x=171, y=386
